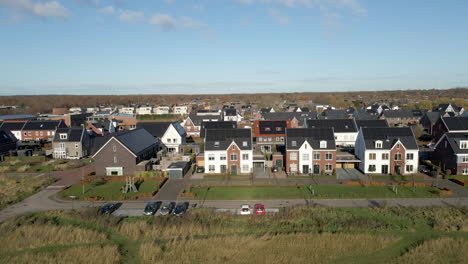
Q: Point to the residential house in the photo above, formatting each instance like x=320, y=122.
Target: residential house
x=144, y=110
x=8, y=143
x=38, y=130
x=216, y=125
x=59, y=111
x=123, y=152
x=180, y=110
x=451, y=153
x=371, y=123
x=231, y=114
x=99, y=115
x=71, y=143
x=161, y=110
x=270, y=134
x=124, y=121
x=449, y=108
x=102, y=127
x=402, y=117
x=75, y=110
x=429, y=119
x=171, y=134
x=298, y=119
x=345, y=130
x=364, y=114
x=192, y=123
x=14, y=126
x=387, y=150
x=335, y=114
x=127, y=110
x=228, y=151
x=310, y=151
x=449, y=124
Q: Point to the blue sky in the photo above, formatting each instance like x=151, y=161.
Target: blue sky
x=230, y=46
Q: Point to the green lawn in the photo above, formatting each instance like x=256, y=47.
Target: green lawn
x=397, y=177
x=224, y=176
x=324, y=191
x=109, y=190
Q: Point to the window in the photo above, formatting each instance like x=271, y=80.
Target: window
x=328, y=156
x=328, y=167
x=293, y=167
x=233, y=157
x=267, y=128
x=372, y=156
x=371, y=168
x=378, y=144
x=294, y=143
x=174, y=140
x=244, y=143
x=293, y=156
x=211, y=168
x=115, y=159
x=465, y=171
x=245, y=167
x=114, y=148
x=409, y=156
x=279, y=129
x=464, y=144
x=216, y=144
x=397, y=156
x=398, y=146
x=316, y=156
x=233, y=147
x=464, y=158
x=385, y=156
x=222, y=157
x=211, y=157
x=245, y=156
x=409, y=168
x=323, y=144
x=169, y=140
x=63, y=136
x=305, y=156
x=41, y=133
x=76, y=145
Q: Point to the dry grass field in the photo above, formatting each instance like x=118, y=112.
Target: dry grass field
x=295, y=235
x=14, y=189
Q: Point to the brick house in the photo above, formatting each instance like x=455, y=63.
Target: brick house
x=228, y=151
x=192, y=124
x=297, y=119
x=310, y=150
x=124, y=121
x=71, y=143
x=449, y=124
x=121, y=153
x=451, y=153
x=345, y=130
x=387, y=150
x=14, y=126
x=40, y=130
x=270, y=134
x=402, y=117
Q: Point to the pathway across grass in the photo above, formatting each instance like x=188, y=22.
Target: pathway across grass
x=324, y=191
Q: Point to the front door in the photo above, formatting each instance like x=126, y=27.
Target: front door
x=223, y=168
x=305, y=169
x=397, y=169
x=384, y=169
x=233, y=170
x=316, y=168
x=279, y=163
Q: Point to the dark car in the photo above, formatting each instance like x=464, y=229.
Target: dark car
x=200, y=169
x=152, y=207
x=109, y=208
x=167, y=208
x=181, y=208
x=274, y=169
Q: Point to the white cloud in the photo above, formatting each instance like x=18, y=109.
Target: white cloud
x=352, y=5
x=164, y=21
x=37, y=8
x=107, y=10
x=131, y=16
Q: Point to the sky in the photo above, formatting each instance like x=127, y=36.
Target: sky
x=231, y=46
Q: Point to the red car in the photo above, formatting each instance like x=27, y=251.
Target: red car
x=260, y=209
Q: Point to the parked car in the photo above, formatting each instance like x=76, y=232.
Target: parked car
x=424, y=169
x=167, y=208
x=200, y=169
x=181, y=208
x=151, y=208
x=260, y=209
x=274, y=169
x=109, y=208
x=245, y=209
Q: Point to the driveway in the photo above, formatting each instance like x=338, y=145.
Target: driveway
x=349, y=174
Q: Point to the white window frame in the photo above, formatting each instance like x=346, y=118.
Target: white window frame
x=316, y=156
x=211, y=157
x=293, y=156
x=326, y=156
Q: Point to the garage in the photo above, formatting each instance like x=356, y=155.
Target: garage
x=178, y=169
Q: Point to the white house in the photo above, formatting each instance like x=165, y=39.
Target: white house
x=171, y=134
x=387, y=150
x=144, y=110
x=161, y=110
x=228, y=151
x=127, y=110
x=180, y=110
x=231, y=114
x=345, y=130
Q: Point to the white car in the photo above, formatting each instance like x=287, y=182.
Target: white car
x=245, y=209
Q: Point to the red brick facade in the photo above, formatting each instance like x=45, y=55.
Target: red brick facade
x=397, y=149
x=233, y=149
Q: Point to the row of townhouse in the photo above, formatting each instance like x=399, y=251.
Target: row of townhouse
x=156, y=110
x=33, y=130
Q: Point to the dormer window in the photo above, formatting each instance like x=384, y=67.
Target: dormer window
x=244, y=143
x=294, y=143
x=464, y=144
x=216, y=144
x=267, y=128
x=278, y=129
x=63, y=136
x=323, y=144
x=378, y=144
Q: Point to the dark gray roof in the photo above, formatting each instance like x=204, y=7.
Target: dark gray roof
x=365, y=114
x=74, y=134
x=14, y=125
x=136, y=140
x=6, y=137
x=17, y=117
x=372, y=123
x=456, y=123
x=220, y=139
x=433, y=116
x=157, y=129
x=230, y=112
x=402, y=113
x=338, y=125
x=300, y=116
x=389, y=136
x=42, y=125
x=454, y=141
x=334, y=114
x=178, y=165
x=271, y=127
x=198, y=119
x=214, y=125
x=295, y=137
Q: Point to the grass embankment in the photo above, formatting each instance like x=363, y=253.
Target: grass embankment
x=108, y=190
x=295, y=235
x=16, y=189
x=322, y=191
x=39, y=164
